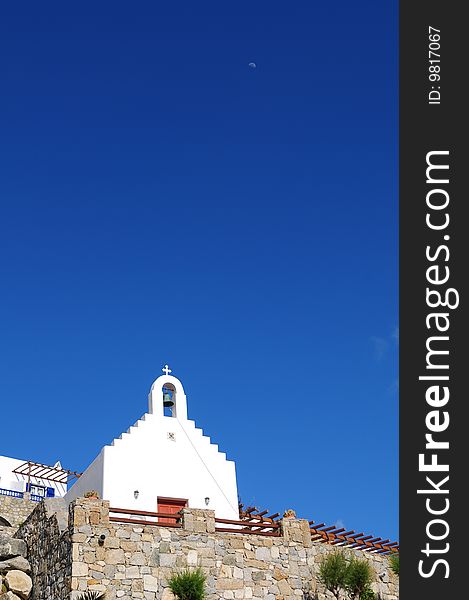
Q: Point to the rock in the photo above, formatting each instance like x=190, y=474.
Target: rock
x=115, y=557
x=154, y=560
x=150, y=583
x=132, y=573
x=278, y=574
x=10, y=547
x=263, y=554
x=9, y=596
x=284, y=587
x=19, y=583
x=18, y=562
x=229, y=584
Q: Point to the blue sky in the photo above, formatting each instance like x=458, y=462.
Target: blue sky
x=162, y=201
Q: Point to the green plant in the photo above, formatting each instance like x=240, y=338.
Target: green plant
x=367, y=594
x=358, y=578
x=188, y=585
x=333, y=572
x=91, y=595
x=394, y=561
x=91, y=494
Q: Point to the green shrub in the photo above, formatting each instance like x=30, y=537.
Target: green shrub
x=367, y=594
x=394, y=561
x=358, y=578
x=91, y=595
x=333, y=572
x=188, y=585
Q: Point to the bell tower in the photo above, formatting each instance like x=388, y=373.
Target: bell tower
x=167, y=397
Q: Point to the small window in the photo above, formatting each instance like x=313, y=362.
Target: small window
x=38, y=490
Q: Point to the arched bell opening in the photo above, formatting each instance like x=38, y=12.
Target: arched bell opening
x=169, y=400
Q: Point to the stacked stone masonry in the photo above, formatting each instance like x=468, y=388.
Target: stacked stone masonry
x=47, y=537
x=15, y=511
x=136, y=561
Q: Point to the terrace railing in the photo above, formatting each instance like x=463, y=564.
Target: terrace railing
x=36, y=498
x=252, y=527
x=11, y=493
x=143, y=517
x=253, y=521
x=16, y=494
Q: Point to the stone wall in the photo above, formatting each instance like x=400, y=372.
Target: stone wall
x=136, y=561
x=16, y=510
x=80, y=549
x=47, y=537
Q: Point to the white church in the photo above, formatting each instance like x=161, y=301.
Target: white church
x=163, y=462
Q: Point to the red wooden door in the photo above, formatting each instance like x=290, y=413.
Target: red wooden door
x=170, y=506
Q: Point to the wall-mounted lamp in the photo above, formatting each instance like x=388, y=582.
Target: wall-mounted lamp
x=101, y=539
x=207, y=501
x=136, y=493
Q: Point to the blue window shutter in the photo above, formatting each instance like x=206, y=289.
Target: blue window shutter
x=28, y=487
x=50, y=492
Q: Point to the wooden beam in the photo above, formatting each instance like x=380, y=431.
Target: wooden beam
x=266, y=533
x=247, y=523
x=141, y=522
x=131, y=511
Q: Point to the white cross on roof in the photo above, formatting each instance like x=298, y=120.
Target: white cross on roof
x=166, y=370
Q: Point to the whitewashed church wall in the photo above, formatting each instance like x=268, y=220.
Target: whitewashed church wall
x=166, y=457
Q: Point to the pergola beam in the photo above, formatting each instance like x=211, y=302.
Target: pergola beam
x=39, y=471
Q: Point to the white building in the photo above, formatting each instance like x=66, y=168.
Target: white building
x=163, y=462
x=41, y=481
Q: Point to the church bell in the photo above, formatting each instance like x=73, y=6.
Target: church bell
x=167, y=401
